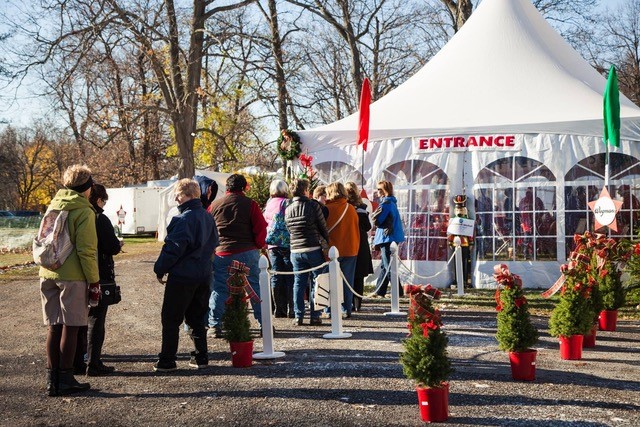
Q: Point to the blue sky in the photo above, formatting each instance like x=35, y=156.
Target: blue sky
x=20, y=106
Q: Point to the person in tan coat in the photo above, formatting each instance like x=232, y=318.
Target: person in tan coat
x=344, y=234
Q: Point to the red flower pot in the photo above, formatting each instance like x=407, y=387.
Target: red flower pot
x=571, y=347
x=589, y=340
x=241, y=354
x=608, y=319
x=523, y=364
x=434, y=403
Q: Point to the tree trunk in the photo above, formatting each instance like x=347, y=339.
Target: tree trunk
x=278, y=56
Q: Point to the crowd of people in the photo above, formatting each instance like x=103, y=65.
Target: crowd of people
x=296, y=229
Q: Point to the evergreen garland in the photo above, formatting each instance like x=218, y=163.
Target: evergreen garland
x=425, y=358
x=516, y=332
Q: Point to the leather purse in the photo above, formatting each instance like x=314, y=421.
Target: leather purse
x=110, y=294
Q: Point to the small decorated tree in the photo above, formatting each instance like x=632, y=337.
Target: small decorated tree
x=425, y=357
x=573, y=314
x=611, y=288
x=235, y=320
x=516, y=332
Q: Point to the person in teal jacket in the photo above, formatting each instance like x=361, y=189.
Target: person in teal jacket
x=65, y=291
x=388, y=230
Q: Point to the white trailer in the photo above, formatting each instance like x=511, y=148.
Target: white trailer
x=134, y=210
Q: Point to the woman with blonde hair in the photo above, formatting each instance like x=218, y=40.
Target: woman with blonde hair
x=278, y=245
x=344, y=234
x=364, y=266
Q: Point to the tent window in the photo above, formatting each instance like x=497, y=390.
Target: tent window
x=335, y=171
x=584, y=183
x=515, y=211
x=423, y=201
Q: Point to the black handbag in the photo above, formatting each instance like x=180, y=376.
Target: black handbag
x=110, y=294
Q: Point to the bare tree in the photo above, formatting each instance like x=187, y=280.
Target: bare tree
x=158, y=30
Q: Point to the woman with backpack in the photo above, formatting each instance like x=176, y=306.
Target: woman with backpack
x=279, y=249
x=69, y=286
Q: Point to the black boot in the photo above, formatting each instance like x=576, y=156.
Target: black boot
x=52, y=382
x=67, y=383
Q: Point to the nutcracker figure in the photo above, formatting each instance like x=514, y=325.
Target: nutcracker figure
x=460, y=211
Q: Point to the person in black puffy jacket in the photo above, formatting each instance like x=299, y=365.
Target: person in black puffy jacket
x=306, y=225
x=91, y=337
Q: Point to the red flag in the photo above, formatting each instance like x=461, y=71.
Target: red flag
x=363, y=128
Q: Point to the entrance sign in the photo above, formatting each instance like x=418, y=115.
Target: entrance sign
x=461, y=227
x=605, y=210
x=466, y=143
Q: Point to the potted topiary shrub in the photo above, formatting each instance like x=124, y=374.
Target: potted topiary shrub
x=516, y=333
x=235, y=320
x=613, y=296
x=425, y=359
x=572, y=316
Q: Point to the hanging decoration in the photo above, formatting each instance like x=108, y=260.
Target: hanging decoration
x=289, y=146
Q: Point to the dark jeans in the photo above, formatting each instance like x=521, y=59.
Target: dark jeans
x=282, y=285
x=305, y=261
x=95, y=334
x=91, y=338
x=188, y=301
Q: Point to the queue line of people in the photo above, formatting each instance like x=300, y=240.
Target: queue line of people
x=202, y=241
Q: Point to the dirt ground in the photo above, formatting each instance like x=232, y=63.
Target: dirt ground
x=320, y=382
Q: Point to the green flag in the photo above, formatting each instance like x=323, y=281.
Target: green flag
x=612, y=110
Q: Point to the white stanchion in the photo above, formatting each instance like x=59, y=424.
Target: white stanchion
x=267, y=323
x=459, y=273
x=335, y=296
x=393, y=276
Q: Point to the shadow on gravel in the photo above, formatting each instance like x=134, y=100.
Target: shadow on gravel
x=349, y=395
x=492, y=421
x=461, y=399
x=476, y=370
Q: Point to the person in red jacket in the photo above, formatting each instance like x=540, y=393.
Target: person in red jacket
x=242, y=230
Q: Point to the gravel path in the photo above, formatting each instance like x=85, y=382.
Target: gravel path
x=355, y=381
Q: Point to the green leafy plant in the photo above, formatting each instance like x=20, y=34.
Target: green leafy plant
x=425, y=358
x=516, y=332
x=235, y=320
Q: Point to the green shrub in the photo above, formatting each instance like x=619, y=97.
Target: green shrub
x=515, y=331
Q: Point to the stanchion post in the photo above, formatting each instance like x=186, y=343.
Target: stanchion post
x=335, y=296
x=459, y=273
x=267, y=319
x=393, y=283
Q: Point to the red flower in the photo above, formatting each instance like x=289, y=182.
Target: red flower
x=636, y=249
x=305, y=160
x=519, y=302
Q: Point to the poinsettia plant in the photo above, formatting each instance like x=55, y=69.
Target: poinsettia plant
x=425, y=358
x=516, y=332
x=590, y=277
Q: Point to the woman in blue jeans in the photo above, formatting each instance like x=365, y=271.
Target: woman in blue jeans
x=388, y=230
x=278, y=247
x=306, y=225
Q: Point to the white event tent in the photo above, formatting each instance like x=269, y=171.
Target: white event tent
x=506, y=105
